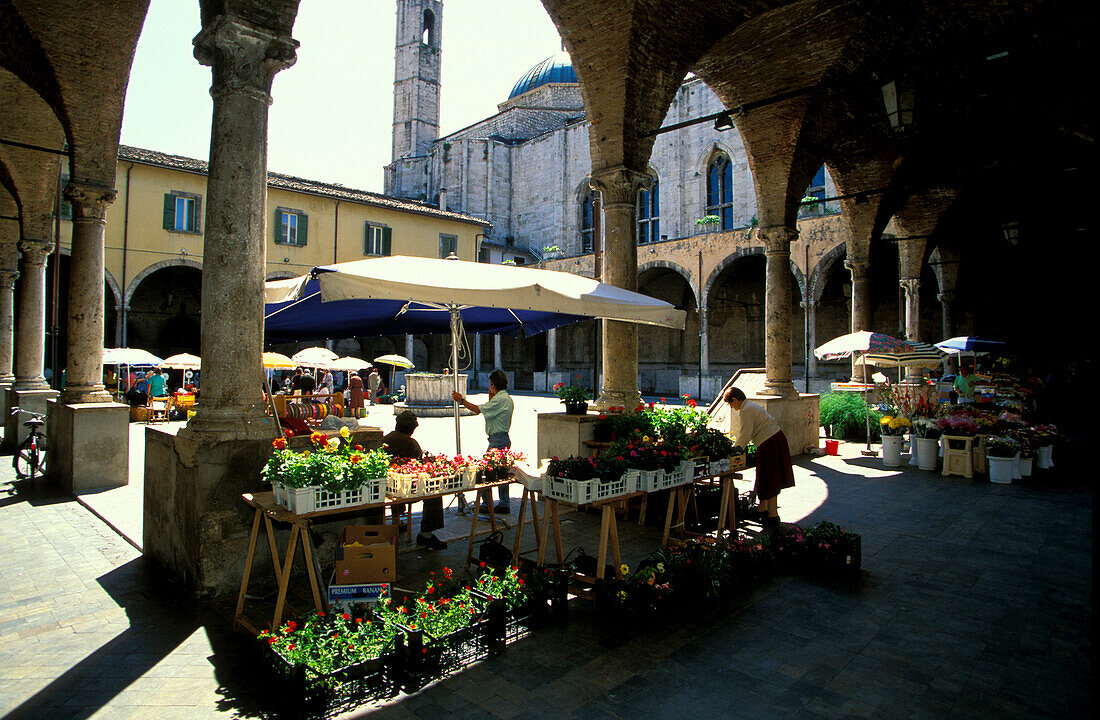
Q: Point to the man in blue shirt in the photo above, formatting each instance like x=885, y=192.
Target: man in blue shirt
x=497, y=411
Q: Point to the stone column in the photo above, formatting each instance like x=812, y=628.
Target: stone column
x=947, y=300
x=7, y=326
x=498, y=356
x=551, y=350
x=810, y=308
x=619, y=340
x=860, y=267
x=704, y=341
x=777, y=309
x=475, y=380
x=30, y=329
x=84, y=376
x=244, y=60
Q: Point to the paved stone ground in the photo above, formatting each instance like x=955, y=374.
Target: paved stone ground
x=975, y=601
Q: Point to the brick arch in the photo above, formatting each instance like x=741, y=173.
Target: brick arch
x=820, y=274
x=744, y=252
x=678, y=269
x=146, y=272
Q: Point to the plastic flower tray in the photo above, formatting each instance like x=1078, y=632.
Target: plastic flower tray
x=717, y=467
x=651, y=480
x=406, y=486
x=701, y=468
x=580, y=492
x=313, y=498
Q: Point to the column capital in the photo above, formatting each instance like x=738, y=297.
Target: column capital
x=858, y=265
x=244, y=58
x=776, y=238
x=35, y=252
x=619, y=185
x=89, y=201
x=7, y=279
x=946, y=297
x=911, y=286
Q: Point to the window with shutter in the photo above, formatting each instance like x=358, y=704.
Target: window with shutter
x=374, y=240
x=447, y=244
x=182, y=212
x=290, y=227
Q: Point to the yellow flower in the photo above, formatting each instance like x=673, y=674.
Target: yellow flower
x=333, y=444
x=885, y=420
x=660, y=567
x=344, y=432
x=622, y=594
x=624, y=569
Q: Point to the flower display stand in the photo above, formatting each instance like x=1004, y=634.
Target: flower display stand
x=958, y=456
x=978, y=455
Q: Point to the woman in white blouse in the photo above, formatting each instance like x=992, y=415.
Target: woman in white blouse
x=773, y=456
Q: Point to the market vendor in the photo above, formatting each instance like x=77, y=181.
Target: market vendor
x=964, y=384
x=401, y=446
x=774, y=470
x=498, y=422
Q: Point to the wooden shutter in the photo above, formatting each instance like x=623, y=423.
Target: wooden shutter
x=386, y=235
x=196, y=215
x=280, y=229
x=303, y=226
x=169, y=211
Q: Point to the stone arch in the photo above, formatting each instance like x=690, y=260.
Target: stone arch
x=704, y=157
x=113, y=284
x=149, y=270
x=821, y=270
x=692, y=282
x=725, y=263
x=279, y=275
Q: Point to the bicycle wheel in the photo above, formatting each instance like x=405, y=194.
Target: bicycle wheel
x=28, y=460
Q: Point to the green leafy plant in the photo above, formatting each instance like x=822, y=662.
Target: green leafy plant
x=999, y=446
x=577, y=468
x=328, y=642
x=708, y=220
x=847, y=414
x=331, y=463
x=572, y=393
x=710, y=443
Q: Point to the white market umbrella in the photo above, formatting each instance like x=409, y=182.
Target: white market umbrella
x=347, y=364
x=396, y=360
x=182, y=361
x=413, y=294
x=129, y=356
x=314, y=357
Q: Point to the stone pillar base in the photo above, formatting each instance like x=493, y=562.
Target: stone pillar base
x=89, y=445
x=798, y=415
x=4, y=387
x=618, y=398
x=561, y=435
x=196, y=525
x=15, y=431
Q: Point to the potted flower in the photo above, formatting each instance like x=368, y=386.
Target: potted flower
x=893, y=428
x=834, y=549
x=1000, y=454
x=928, y=441
x=575, y=397
x=1045, y=436
x=707, y=223
x=497, y=464
x=330, y=474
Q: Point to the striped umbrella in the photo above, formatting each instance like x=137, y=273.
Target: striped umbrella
x=918, y=354
x=861, y=342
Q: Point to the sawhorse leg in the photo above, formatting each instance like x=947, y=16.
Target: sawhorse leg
x=677, y=503
x=550, y=525
x=609, y=532
x=483, y=495
x=527, y=494
x=727, y=508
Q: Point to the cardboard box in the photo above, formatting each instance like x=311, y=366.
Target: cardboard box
x=366, y=565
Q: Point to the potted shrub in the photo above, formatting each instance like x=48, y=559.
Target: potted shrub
x=575, y=397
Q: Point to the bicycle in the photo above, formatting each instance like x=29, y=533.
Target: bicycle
x=30, y=459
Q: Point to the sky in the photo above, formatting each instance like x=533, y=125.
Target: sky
x=332, y=115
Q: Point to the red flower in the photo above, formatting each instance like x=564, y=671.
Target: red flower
x=447, y=573
x=272, y=640
x=431, y=589
x=288, y=432
x=279, y=443
x=481, y=565
x=662, y=400
x=345, y=616
x=291, y=626
x=423, y=615
x=320, y=613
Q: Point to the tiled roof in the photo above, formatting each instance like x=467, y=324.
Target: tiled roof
x=296, y=184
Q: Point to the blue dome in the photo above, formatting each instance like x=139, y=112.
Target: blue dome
x=554, y=69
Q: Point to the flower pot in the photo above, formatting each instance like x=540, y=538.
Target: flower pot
x=1025, y=466
x=891, y=450
x=1000, y=469
x=1016, y=467
x=1043, y=459
x=913, y=460
x=928, y=453
x=577, y=408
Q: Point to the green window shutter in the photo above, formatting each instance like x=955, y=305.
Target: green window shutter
x=386, y=235
x=280, y=229
x=303, y=226
x=366, y=238
x=169, y=211
x=196, y=215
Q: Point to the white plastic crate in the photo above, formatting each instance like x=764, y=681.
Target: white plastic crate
x=312, y=499
x=581, y=492
x=408, y=486
x=717, y=467
x=612, y=488
x=700, y=468
x=651, y=480
x=684, y=476
x=632, y=480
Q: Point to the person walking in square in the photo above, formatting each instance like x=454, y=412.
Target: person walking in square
x=774, y=470
x=497, y=411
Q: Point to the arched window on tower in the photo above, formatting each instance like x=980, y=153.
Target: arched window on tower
x=720, y=191
x=428, y=36
x=649, y=214
x=587, y=224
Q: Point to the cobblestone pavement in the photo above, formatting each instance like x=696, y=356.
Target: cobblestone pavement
x=975, y=601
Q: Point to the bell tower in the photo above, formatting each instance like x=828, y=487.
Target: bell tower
x=416, y=77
